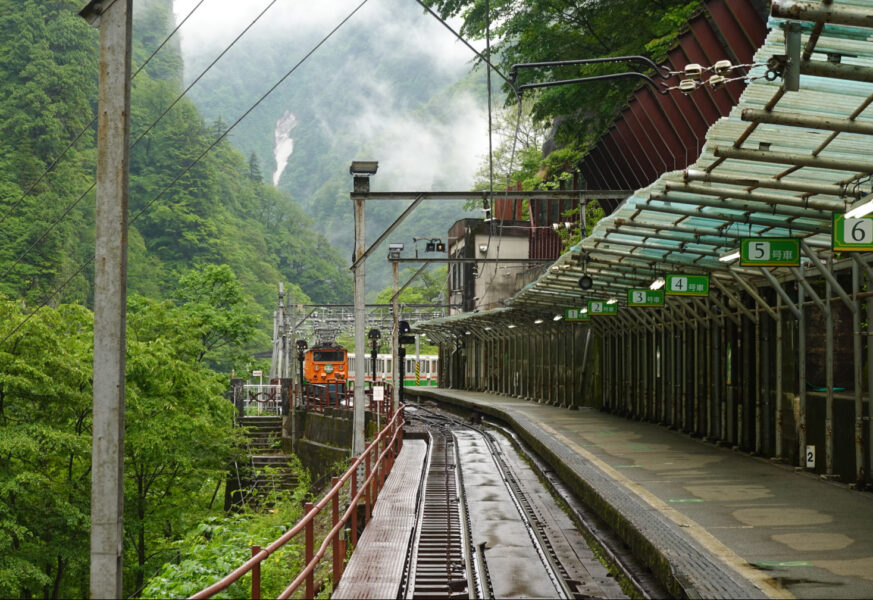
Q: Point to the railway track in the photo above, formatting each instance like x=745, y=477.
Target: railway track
x=479, y=533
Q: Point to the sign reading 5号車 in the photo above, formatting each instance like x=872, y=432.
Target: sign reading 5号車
x=770, y=252
x=852, y=234
x=687, y=285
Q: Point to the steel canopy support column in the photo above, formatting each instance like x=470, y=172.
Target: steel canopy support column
x=777, y=448
x=801, y=377
x=857, y=369
x=110, y=293
x=829, y=375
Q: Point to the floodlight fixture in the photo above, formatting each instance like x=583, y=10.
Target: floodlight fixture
x=863, y=209
x=394, y=251
x=364, y=168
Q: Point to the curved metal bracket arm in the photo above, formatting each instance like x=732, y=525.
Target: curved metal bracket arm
x=661, y=70
x=651, y=81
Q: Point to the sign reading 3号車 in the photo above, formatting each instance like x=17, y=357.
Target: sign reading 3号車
x=687, y=285
x=599, y=307
x=770, y=252
x=576, y=314
x=852, y=234
x=644, y=297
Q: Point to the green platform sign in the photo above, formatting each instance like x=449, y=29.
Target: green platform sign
x=687, y=285
x=644, y=297
x=600, y=307
x=576, y=314
x=853, y=235
x=770, y=252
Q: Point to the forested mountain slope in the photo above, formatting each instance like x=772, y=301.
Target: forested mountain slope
x=219, y=211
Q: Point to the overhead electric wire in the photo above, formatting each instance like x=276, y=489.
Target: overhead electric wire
x=193, y=163
x=487, y=61
x=63, y=153
x=69, y=208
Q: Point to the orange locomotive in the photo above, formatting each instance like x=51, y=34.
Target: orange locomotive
x=326, y=364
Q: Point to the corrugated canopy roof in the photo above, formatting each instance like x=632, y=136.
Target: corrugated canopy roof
x=781, y=164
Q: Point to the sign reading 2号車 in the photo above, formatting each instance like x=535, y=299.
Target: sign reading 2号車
x=644, y=297
x=599, y=307
x=687, y=285
x=853, y=234
x=770, y=252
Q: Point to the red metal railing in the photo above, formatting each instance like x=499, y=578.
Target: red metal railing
x=384, y=448
x=317, y=397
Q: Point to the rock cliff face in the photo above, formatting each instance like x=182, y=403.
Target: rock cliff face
x=283, y=145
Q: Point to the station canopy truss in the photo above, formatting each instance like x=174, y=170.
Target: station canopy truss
x=781, y=164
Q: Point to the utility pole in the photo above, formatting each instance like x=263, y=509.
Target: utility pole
x=110, y=295
x=361, y=172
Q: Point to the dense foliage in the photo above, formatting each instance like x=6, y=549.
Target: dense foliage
x=555, y=30
x=178, y=436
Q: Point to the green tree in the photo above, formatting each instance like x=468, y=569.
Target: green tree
x=220, y=316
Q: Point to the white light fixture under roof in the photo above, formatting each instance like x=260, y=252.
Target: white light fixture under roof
x=584, y=310
x=538, y=322
x=732, y=255
x=863, y=209
x=612, y=301
x=657, y=284
x=557, y=317
x=510, y=326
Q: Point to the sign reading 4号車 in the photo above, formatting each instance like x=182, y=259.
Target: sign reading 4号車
x=770, y=252
x=644, y=297
x=852, y=234
x=687, y=285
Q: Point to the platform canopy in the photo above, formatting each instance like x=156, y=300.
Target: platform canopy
x=781, y=165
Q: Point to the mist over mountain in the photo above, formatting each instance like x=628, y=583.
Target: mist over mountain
x=391, y=85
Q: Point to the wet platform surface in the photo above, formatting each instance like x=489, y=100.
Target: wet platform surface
x=715, y=522
x=375, y=569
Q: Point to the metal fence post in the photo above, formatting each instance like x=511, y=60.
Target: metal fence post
x=308, y=552
x=256, y=575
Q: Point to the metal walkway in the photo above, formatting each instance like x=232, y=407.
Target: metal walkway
x=375, y=569
x=708, y=521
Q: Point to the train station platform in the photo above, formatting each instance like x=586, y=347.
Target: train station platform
x=708, y=521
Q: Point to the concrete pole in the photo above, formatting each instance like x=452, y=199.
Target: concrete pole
x=361, y=184
x=110, y=297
